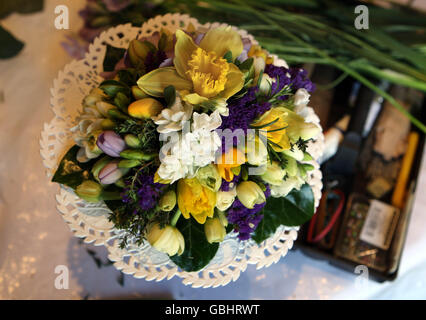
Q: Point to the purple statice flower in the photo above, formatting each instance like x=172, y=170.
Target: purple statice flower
x=246, y=220
x=244, y=110
x=148, y=192
x=295, y=77
x=226, y=186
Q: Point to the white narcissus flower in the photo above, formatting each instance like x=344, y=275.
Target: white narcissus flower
x=173, y=119
x=191, y=150
x=286, y=186
x=301, y=98
x=172, y=169
x=224, y=199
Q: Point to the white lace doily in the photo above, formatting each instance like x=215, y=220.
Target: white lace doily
x=90, y=221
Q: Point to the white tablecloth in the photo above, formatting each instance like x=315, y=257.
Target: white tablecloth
x=34, y=239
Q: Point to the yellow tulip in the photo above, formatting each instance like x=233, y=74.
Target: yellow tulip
x=230, y=161
x=145, y=108
x=250, y=194
x=200, y=73
x=168, y=239
x=274, y=174
x=214, y=229
x=195, y=199
x=168, y=201
x=276, y=130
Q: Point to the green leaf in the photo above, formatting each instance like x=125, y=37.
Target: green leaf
x=112, y=56
x=293, y=210
x=170, y=95
x=198, y=252
x=9, y=45
x=71, y=172
x=228, y=56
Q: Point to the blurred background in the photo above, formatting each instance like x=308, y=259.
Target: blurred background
x=370, y=99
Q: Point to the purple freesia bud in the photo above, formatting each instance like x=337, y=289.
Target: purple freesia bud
x=111, y=143
x=110, y=173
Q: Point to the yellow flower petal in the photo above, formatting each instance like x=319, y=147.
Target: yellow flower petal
x=183, y=51
x=234, y=82
x=193, y=98
x=221, y=40
x=154, y=82
x=195, y=200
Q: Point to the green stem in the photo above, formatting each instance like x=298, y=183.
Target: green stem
x=110, y=195
x=337, y=64
x=175, y=218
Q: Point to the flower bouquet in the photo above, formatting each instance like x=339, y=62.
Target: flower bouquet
x=194, y=135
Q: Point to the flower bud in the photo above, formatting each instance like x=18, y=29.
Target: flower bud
x=111, y=143
x=145, y=108
x=94, y=96
x=274, y=174
x=296, y=153
x=265, y=84
x=110, y=173
x=89, y=191
x=103, y=107
x=168, y=239
x=214, y=230
x=291, y=166
x=128, y=163
x=168, y=201
x=224, y=199
x=250, y=194
x=286, y=186
x=138, y=50
x=209, y=177
x=132, y=141
x=107, y=124
x=136, y=155
x=138, y=93
x=98, y=166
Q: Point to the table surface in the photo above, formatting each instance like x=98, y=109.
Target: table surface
x=34, y=239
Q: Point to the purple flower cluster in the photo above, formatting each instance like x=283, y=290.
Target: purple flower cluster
x=295, y=77
x=246, y=220
x=225, y=186
x=244, y=110
x=147, y=192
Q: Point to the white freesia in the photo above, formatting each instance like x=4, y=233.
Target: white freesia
x=89, y=123
x=191, y=150
x=172, y=168
x=301, y=98
x=286, y=186
x=174, y=118
x=224, y=199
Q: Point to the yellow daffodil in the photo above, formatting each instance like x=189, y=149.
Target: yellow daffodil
x=200, y=73
x=230, y=162
x=195, y=199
